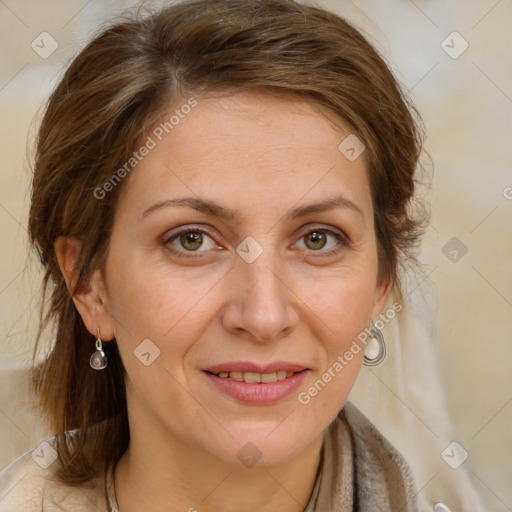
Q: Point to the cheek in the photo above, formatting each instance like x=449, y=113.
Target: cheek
x=352, y=310
x=158, y=303
x=339, y=315
x=344, y=310
x=343, y=303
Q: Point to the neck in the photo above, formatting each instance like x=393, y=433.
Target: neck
x=175, y=476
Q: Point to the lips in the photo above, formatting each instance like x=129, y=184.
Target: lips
x=243, y=387
x=257, y=384
x=248, y=367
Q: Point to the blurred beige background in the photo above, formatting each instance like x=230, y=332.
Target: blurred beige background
x=456, y=344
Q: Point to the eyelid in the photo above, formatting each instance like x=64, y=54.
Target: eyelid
x=341, y=236
x=330, y=229
x=173, y=233
x=189, y=228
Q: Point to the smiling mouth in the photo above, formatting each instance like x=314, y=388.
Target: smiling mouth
x=252, y=378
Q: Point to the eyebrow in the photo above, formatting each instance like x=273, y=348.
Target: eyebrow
x=212, y=208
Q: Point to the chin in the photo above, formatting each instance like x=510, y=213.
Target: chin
x=261, y=449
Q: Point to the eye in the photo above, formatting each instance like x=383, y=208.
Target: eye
x=194, y=240
x=317, y=239
x=189, y=240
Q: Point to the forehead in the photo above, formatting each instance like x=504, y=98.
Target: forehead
x=280, y=121
x=246, y=147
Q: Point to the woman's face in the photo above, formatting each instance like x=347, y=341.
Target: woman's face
x=248, y=284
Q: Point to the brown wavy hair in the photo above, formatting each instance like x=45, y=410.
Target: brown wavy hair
x=93, y=121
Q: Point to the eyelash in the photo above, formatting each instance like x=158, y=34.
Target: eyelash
x=342, y=239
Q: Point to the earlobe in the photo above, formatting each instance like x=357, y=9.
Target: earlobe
x=87, y=297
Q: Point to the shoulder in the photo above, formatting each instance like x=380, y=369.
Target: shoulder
x=22, y=482
x=28, y=484
x=380, y=468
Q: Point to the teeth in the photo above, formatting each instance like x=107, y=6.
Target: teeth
x=251, y=377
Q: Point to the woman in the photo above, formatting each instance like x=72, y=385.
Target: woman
x=221, y=202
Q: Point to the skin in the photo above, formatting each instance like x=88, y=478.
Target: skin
x=263, y=155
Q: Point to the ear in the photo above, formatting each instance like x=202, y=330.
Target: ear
x=381, y=296
x=90, y=299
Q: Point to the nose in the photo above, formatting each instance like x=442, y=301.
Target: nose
x=260, y=301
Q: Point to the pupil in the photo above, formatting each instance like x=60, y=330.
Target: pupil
x=192, y=238
x=317, y=238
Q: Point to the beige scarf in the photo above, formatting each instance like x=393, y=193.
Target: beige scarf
x=361, y=470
